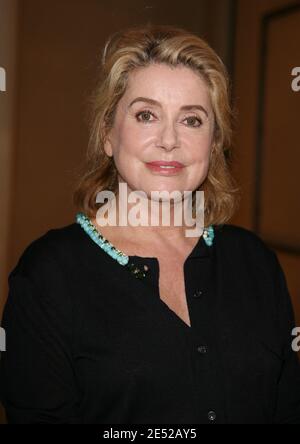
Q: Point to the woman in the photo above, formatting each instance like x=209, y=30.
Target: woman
x=144, y=324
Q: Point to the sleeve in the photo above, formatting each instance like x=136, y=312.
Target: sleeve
x=288, y=395
x=37, y=381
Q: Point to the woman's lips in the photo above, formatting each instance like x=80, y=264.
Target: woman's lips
x=165, y=168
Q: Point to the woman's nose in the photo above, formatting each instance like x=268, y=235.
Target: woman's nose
x=168, y=137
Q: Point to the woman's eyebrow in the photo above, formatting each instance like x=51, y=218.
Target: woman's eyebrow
x=155, y=102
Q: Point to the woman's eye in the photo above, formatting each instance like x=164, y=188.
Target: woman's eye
x=148, y=115
x=192, y=119
x=145, y=116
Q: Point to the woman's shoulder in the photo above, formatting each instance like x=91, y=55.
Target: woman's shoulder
x=56, y=246
x=235, y=230
x=238, y=241
x=236, y=233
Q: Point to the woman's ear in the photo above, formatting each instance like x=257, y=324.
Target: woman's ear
x=107, y=146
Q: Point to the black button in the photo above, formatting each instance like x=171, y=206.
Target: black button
x=202, y=349
x=212, y=416
x=198, y=294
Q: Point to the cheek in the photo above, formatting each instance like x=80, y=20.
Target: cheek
x=201, y=148
x=130, y=140
x=199, y=170
x=122, y=149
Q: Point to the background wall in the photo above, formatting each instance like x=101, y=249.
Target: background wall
x=51, y=51
x=9, y=28
x=268, y=132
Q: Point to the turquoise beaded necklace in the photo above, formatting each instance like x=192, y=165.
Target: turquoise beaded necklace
x=119, y=256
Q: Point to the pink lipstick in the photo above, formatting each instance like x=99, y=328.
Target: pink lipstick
x=165, y=168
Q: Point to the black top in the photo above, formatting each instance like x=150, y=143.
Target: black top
x=88, y=342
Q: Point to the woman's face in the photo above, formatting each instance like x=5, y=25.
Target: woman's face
x=158, y=128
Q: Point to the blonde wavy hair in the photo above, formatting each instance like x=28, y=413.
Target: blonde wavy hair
x=137, y=47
